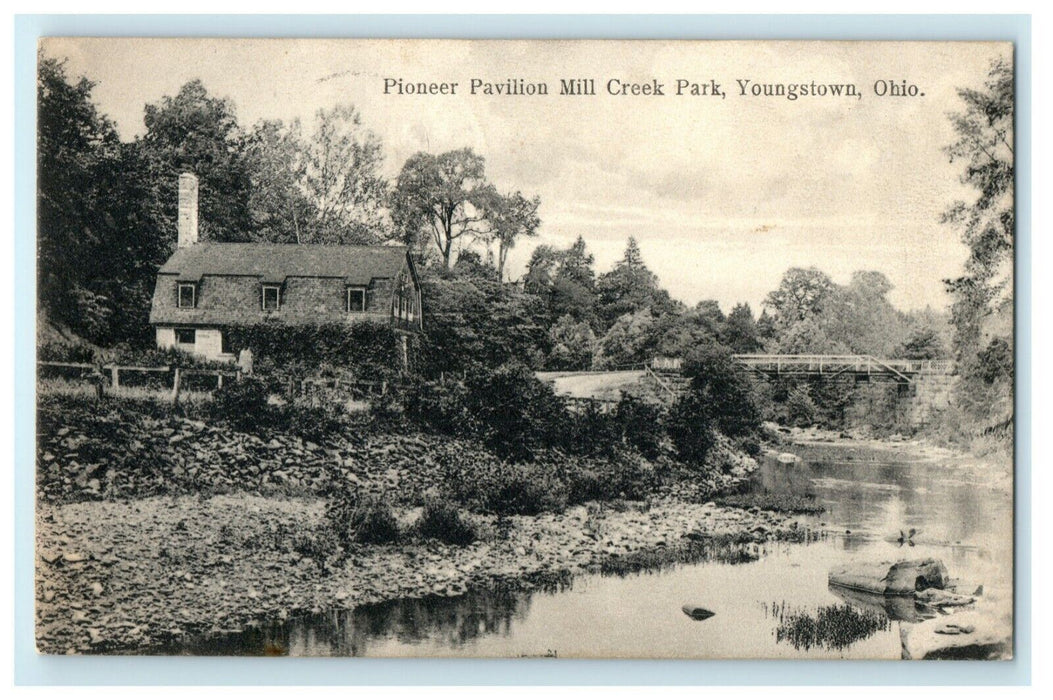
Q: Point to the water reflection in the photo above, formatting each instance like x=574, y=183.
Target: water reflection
x=446, y=621
x=899, y=608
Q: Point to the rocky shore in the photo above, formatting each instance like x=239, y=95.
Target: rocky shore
x=138, y=575
x=152, y=527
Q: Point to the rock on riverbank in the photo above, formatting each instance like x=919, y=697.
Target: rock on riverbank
x=134, y=576
x=982, y=632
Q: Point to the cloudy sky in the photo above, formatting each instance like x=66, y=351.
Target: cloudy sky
x=723, y=194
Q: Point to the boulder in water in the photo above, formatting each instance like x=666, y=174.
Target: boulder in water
x=888, y=578
x=697, y=612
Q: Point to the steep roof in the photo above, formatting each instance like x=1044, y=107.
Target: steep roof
x=273, y=262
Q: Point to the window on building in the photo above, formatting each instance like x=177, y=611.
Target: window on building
x=271, y=297
x=185, y=336
x=356, y=300
x=187, y=295
x=225, y=345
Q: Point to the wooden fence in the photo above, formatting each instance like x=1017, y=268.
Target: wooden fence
x=355, y=389
x=109, y=375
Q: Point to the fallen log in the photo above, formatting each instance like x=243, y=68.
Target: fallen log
x=888, y=578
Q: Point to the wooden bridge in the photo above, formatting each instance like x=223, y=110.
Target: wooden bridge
x=850, y=365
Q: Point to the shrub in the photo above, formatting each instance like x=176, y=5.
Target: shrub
x=595, y=432
x=317, y=545
x=720, y=398
x=800, y=409
x=295, y=350
x=65, y=352
x=527, y=489
x=441, y=520
x=485, y=483
x=443, y=406
x=640, y=425
x=690, y=427
x=625, y=476
x=356, y=519
x=312, y=422
x=243, y=405
x=372, y=522
x=517, y=414
x=995, y=362
x=511, y=411
x=727, y=393
x=153, y=356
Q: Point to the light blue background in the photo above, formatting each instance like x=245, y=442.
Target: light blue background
x=33, y=669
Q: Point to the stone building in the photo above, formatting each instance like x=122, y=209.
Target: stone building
x=205, y=287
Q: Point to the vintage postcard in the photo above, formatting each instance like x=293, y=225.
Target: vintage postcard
x=607, y=349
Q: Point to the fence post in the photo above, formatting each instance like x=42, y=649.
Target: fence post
x=175, y=386
x=97, y=378
x=219, y=383
x=115, y=376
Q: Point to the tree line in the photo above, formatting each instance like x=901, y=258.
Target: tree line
x=106, y=221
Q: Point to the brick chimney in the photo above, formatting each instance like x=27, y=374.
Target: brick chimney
x=187, y=210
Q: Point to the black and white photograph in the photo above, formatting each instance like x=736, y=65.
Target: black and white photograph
x=609, y=349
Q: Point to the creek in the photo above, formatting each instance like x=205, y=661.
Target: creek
x=774, y=603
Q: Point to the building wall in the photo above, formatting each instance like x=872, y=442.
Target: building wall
x=165, y=337
x=208, y=343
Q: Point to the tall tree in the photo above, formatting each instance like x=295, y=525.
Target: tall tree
x=340, y=176
x=196, y=132
x=278, y=207
x=510, y=218
x=101, y=228
x=859, y=316
x=573, y=344
x=440, y=198
x=739, y=331
x=630, y=287
x=577, y=263
x=573, y=288
x=982, y=304
x=541, y=269
x=74, y=141
x=801, y=293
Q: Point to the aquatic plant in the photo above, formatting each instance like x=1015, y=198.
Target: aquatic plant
x=832, y=627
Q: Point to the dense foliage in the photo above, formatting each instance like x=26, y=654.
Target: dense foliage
x=982, y=308
x=720, y=399
x=441, y=520
x=368, y=350
x=98, y=215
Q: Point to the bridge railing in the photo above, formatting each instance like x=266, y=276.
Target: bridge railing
x=822, y=364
